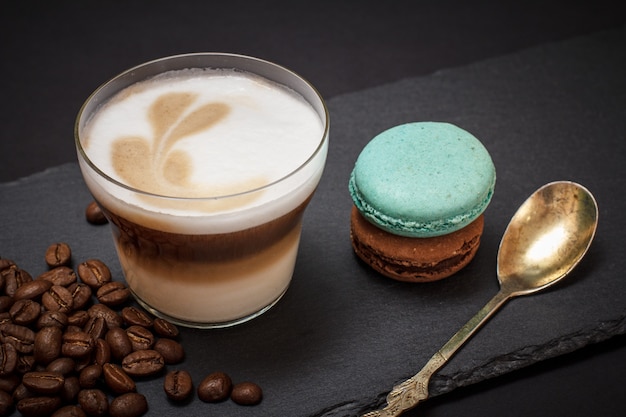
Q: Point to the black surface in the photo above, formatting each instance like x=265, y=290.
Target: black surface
x=340, y=49
x=339, y=317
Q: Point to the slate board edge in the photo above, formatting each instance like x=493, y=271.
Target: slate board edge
x=442, y=384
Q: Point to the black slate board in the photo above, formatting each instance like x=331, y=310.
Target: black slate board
x=342, y=335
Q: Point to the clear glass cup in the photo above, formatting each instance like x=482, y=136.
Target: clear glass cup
x=211, y=260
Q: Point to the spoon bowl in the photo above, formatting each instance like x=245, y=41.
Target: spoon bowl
x=545, y=239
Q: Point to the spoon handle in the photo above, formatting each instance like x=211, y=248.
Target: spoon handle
x=409, y=393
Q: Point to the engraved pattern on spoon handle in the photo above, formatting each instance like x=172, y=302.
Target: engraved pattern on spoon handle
x=409, y=393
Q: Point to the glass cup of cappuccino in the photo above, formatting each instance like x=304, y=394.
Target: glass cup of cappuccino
x=204, y=165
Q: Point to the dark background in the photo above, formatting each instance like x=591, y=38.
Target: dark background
x=55, y=53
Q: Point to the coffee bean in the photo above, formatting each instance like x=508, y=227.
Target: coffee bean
x=89, y=376
x=113, y=293
x=58, y=298
x=94, y=402
x=246, y=393
x=131, y=404
x=43, y=382
x=117, y=379
x=63, y=366
x=94, y=214
x=171, y=350
x=119, y=343
x=52, y=319
x=8, y=359
x=21, y=337
x=22, y=392
x=25, y=363
x=102, y=352
x=140, y=337
x=61, y=275
x=70, y=390
x=72, y=328
x=96, y=327
x=77, y=344
x=134, y=316
x=5, y=303
x=164, y=328
x=215, y=387
x=94, y=273
x=6, y=403
x=110, y=316
x=47, y=345
x=2, y=275
x=25, y=312
x=178, y=385
x=13, y=278
x=69, y=411
x=38, y=406
x=5, y=318
x=32, y=290
x=9, y=382
x=5, y=263
x=58, y=254
x=81, y=294
x=143, y=363
x=78, y=318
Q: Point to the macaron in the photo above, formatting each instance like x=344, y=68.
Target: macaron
x=417, y=188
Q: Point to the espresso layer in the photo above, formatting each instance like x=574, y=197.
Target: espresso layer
x=149, y=245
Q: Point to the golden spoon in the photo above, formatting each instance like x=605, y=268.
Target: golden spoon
x=546, y=238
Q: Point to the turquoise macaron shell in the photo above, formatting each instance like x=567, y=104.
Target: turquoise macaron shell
x=423, y=179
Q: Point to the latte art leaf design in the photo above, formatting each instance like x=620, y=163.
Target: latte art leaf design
x=155, y=165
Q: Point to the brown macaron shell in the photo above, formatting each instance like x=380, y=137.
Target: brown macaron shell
x=414, y=259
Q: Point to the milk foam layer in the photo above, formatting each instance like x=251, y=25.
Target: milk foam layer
x=203, y=133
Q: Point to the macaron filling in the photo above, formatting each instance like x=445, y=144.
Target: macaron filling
x=423, y=179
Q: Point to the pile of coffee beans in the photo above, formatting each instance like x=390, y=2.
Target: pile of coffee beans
x=72, y=344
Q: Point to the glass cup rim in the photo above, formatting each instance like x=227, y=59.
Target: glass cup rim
x=101, y=87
